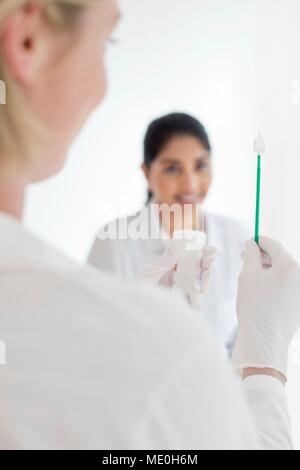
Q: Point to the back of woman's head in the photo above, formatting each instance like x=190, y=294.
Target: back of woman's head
x=16, y=122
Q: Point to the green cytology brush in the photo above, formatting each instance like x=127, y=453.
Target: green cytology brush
x=259, y=148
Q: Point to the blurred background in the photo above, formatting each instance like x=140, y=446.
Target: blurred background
x=234, y=65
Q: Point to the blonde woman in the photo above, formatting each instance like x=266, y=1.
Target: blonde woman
x=92, y=362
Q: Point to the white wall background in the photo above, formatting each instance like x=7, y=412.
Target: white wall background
x=233, y=64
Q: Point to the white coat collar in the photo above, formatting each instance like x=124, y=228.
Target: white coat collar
x=155, y=245
x=212, y=229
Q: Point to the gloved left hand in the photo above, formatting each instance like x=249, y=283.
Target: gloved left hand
x=162, y=270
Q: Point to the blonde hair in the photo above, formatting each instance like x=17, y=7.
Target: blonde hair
x=16, y=122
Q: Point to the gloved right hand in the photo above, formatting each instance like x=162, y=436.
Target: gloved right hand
x=268, y=307
x=162, y=269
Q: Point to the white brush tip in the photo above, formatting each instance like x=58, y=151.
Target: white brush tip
x=259, y=144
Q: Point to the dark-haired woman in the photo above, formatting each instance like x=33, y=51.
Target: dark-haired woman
x=177, y=166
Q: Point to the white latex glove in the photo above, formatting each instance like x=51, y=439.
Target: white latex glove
x=268, y=307
x=204, y=274
x=161, y=272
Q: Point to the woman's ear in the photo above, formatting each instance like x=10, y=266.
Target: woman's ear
x=18, y=41
x=145, y=170
x=26, y=43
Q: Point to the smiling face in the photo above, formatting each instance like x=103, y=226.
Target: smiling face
x=181, y=173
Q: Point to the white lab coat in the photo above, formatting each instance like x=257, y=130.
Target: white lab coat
x=128, y=258
x=94, y=363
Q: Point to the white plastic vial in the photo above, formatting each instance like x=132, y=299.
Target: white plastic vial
x=189, y=246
